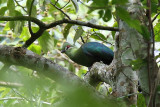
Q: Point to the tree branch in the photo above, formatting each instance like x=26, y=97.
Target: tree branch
x=29, y=22
x=23, y=57
x=47, y=26
x=100, y=73
x=43, y=26
x=60, y=9
x=76, y=22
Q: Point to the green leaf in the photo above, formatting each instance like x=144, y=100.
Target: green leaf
x=119, y=2
x=75, y=5
x=157, y=32
x=66, y=30
x=99, y=3
x=98, y=36
x=34, y=10
x=114, y=32
x=101, y=13
x=25, y=35
x=11, y=7
x=124, y=15
x=46, y=41
x=35, y=48
x=108, y=15
x=141, y=101
x=79, y=33
x=3, y=10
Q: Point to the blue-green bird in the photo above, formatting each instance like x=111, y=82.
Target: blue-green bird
x=88, y=53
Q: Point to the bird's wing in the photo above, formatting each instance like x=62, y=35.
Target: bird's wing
x=98, y=51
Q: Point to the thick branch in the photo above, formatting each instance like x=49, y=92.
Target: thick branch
x=100, y=73
x=23, y=57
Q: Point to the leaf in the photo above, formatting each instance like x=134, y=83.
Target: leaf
x=79, y=32
x=66, y=30
x=11, y=7
x=101, y=13
x=25, y=35
x=141, y=101
x=98, y=36
x=99, y=3
x=35, y=48
x=124, y=15
x=46, y=41
x=75, y=5
x=107, y=16
x=157, y=32
x=114, y=32
x=34, y=10
x=3, y=10
x=119, y=2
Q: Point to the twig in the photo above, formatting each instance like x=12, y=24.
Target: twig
x=9, y=84
x=82, y=39
x=60, y=10
x=102, y=38
x=65, y=4
x=56, y=2
x=29, y=22
x=129, y=95
x=19, y=98
x=155, y=17
x=21, y=95
x=20, y=6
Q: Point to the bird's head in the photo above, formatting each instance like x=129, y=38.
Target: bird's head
x=66, y=47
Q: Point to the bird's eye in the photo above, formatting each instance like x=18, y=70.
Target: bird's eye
x=67, y=47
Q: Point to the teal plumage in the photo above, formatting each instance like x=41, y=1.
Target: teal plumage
x=88, y=53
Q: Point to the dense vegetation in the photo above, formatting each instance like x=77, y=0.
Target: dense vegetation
x=41, y=26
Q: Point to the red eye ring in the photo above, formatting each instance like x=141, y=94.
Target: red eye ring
x=68, y=46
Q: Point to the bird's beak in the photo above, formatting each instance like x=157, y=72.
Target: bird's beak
x=62, y=51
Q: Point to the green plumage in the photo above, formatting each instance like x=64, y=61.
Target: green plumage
x=88, y=53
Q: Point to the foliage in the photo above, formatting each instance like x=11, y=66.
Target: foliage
x=41, y=91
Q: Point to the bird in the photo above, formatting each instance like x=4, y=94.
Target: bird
x=88, y=53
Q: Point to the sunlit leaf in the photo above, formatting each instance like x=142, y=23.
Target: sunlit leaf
x=34, y=10
x=101, y=13
x=35, y=48
x=66, y=30
x=3, y=10
x=98, y=36
x=25, y=35
x=119, y=2
x=114, y=32
x=107, y=16
x=79, y=33
x=46, y=41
